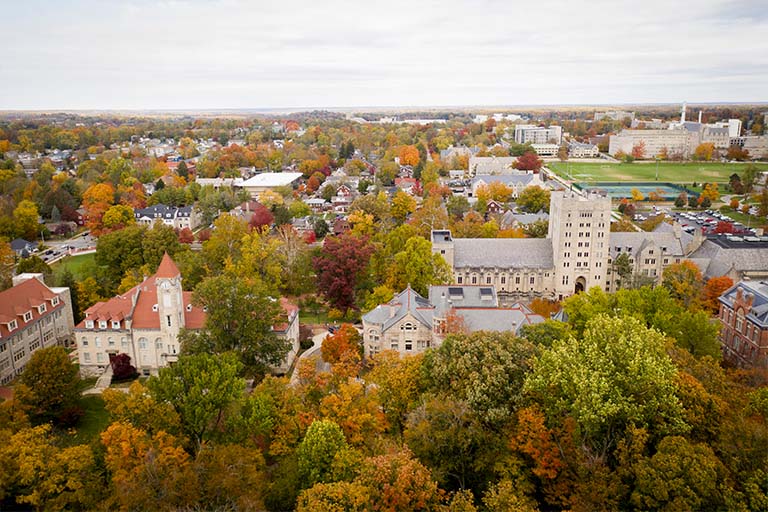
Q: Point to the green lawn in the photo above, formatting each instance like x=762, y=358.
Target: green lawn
x=78, y=265
x=669, y=172
x=94, y=420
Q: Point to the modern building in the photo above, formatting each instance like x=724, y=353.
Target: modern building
x=532, y=134
x=32, y=316
x=548, y=150
x=410, y=324
x=176, y=217
x=743, y=318
x=676, y=143
x=145, y=323
x=269, y=181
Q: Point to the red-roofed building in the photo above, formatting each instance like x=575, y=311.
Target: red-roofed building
x=145, y=322
x=32, y=316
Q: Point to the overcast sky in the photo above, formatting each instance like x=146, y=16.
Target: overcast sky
x=208, y=54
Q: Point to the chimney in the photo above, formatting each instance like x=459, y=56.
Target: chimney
x=699, y=116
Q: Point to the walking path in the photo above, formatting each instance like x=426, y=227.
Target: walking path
x=314, y=350
x=103, y=382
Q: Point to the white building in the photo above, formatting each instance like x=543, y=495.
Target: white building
x=269, y=181
x=532, y=134
x=582, y=150
x=614, y=115
x=178, y=218
x=548, y=150
x=677, y=142
x=484, y=165
x=32, y=316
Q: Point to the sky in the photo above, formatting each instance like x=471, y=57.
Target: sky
x=240, y=54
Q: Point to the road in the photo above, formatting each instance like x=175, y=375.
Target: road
x=62, y=248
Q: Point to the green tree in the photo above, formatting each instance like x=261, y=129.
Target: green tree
x=35, y=265
x=417, y=266
x=680, y=476
x=158, y=240
x=118, y=217
x=240, y=316
x=403, y=204
x=323, y=440
x=49, y=385
x=487, y=369
x=631, y=381
x=199, y=387
x=684, y=282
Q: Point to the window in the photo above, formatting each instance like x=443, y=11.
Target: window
x=83, y=342
x=3, y=347
x=18, y=356
x=739, y=320
x=394, y=346
x=28, y=316
x=34, y=345
x=488, y=280
x=168, y=319
x=55, y=301
x=532, y=280
x=124, y=342
x=159, y=344
x=115, y=324
x=100, y=358
x=143, y=343
x=102, y=324
x=110, y=342
x=408, y=327
x=408, y=346
x=503, y=280
x=41, y=308
x=89, y=324
x=459, y=279
x=48, y=336
x=12, y=325
x=86, y=357
x=474, y=279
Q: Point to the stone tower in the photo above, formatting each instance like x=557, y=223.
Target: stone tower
x=579, y=228
x=170, y=303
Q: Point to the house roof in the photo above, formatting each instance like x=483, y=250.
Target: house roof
x=502, y=252
x=634, y=242
x=759, y=291
x=407, y=301
x=22, y=298
x=720, y=258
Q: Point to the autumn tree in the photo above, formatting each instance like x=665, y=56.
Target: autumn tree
x=341, y=269
x=400, y=384
x=704, y=151
x=638, y=150
x=25, y=219
x=341, y=345
x=529, y=161
x=418, y=266
x=261, y=217
x=429, y=216
x=403, y=204
x=398, y=482
x=534, y=199
x=409, y=155
x=117, y=217
x=96, y=200
x=7, y=259
x=684, y=281
x=49, y=385
x=713, y=289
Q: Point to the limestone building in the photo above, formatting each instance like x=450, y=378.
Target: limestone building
x=32, y=316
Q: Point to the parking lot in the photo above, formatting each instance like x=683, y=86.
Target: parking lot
x=710, y=222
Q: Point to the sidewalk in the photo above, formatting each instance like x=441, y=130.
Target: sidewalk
x=105, y=379
x=317, y=341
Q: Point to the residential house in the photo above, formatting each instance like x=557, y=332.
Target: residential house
x=176, y=217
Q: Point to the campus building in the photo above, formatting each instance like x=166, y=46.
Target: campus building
x=145, y=322
x=410, y=323
x=744, y=319
x=532, y=134
x=32, y=316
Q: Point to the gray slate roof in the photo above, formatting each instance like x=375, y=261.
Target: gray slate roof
x=407, y=301
x=759, y=290
x=724, y=259
x=503, y=252
x=640, y=240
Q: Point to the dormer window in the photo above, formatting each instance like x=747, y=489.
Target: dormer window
x=154, y=308
x=189, y=307
x=12, y=325
x=115, y=324
x=55, y=301
x=102, y=324
x=28, y=316
x=41, y=309
x=89, y=324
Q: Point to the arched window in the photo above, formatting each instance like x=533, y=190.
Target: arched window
x=408, y=327
x=143, y=343
x=159, y=343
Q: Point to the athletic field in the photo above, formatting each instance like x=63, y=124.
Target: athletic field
x=669, y=172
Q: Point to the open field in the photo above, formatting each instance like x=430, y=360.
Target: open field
x=669, y=172
x=76, y=264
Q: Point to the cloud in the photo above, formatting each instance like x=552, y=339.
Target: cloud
x=239, y=54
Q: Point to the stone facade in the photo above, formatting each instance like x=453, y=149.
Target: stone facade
x=743, y=316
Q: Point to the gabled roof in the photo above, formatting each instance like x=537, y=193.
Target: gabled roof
x=407, y=301
x=503, y=252
x=22, y=298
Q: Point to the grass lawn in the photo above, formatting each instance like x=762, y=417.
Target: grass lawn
x=94, y=420
x=746, y=219
x=78, y=265
x=669, y=172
